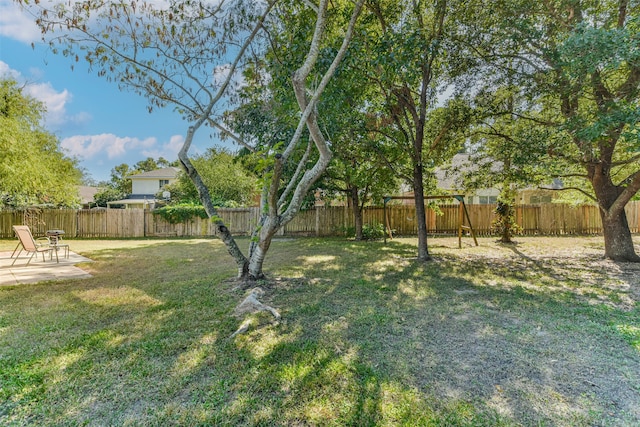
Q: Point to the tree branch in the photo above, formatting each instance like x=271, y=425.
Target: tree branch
x=625, y=196
x=232, y=135
x=590, y=196
x=296, y=176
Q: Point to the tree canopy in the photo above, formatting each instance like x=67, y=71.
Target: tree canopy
x=229, y=183
x=579, y=64
x=560, y=81
x=33, y=168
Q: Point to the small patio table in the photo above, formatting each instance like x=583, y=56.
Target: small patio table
x=54, y=239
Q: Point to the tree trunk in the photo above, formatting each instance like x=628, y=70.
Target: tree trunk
x=505, y=210
x=618, y=243
x=258, y=252
x=357, y=213
x=421, y=219
x=506, y=235
x=254, y=270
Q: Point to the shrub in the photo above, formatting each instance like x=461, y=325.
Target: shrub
x=180, y=213
x=372, y=231
x=369, y=232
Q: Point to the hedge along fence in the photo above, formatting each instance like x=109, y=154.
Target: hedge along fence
x=547, y=219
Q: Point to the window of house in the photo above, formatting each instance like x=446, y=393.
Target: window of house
x=163, y=182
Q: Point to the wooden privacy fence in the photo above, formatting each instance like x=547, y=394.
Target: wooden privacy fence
x=548, y=219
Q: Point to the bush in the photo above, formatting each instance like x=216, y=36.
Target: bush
x=369, y=232
x=372, y=232
x=180, y=213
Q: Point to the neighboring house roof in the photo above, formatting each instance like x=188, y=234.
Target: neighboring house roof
x=87, y=194
x=165, y=173
x=449, y=177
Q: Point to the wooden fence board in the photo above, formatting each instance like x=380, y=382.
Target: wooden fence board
x=633, y=216
x=324, y=221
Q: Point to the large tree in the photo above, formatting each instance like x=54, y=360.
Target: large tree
x=413, y=59
x=33, y=168
x=505, y=151
x=579, y=61
x=187, y=54
x=355, y=172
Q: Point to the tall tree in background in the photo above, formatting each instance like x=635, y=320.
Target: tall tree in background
x=506, y=151
x=120, y=178
x=33, y=168
x=359, y=176
x=413, y=63
x=187, y=54
x=580, y=61
x=149, y=164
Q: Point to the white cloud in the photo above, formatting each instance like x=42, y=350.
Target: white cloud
x=55, y=101
x=169, y=150
x=56, y=116
x=6, y=71
x=16, y=24
x=221, y=73
x=90, y=146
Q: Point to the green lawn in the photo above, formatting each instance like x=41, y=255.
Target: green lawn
x=544, y=332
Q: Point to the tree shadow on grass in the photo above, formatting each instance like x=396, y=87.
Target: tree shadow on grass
x=591, y=278
x=531, y=356
x=368, y=337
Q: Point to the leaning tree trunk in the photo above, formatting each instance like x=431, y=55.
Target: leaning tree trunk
x=259, y=252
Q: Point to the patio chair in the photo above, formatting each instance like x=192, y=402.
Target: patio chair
x=30, y=245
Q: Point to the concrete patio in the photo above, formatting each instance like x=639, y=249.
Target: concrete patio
x=38, y=270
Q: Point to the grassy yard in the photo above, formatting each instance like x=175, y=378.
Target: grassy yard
x=544, y=332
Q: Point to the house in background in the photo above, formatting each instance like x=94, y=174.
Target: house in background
x=145, y=186
x=449, y=180
x=87, y=195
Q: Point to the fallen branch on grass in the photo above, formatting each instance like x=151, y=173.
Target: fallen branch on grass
x=250, y=305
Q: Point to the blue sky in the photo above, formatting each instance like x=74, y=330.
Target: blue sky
x=95, y=122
